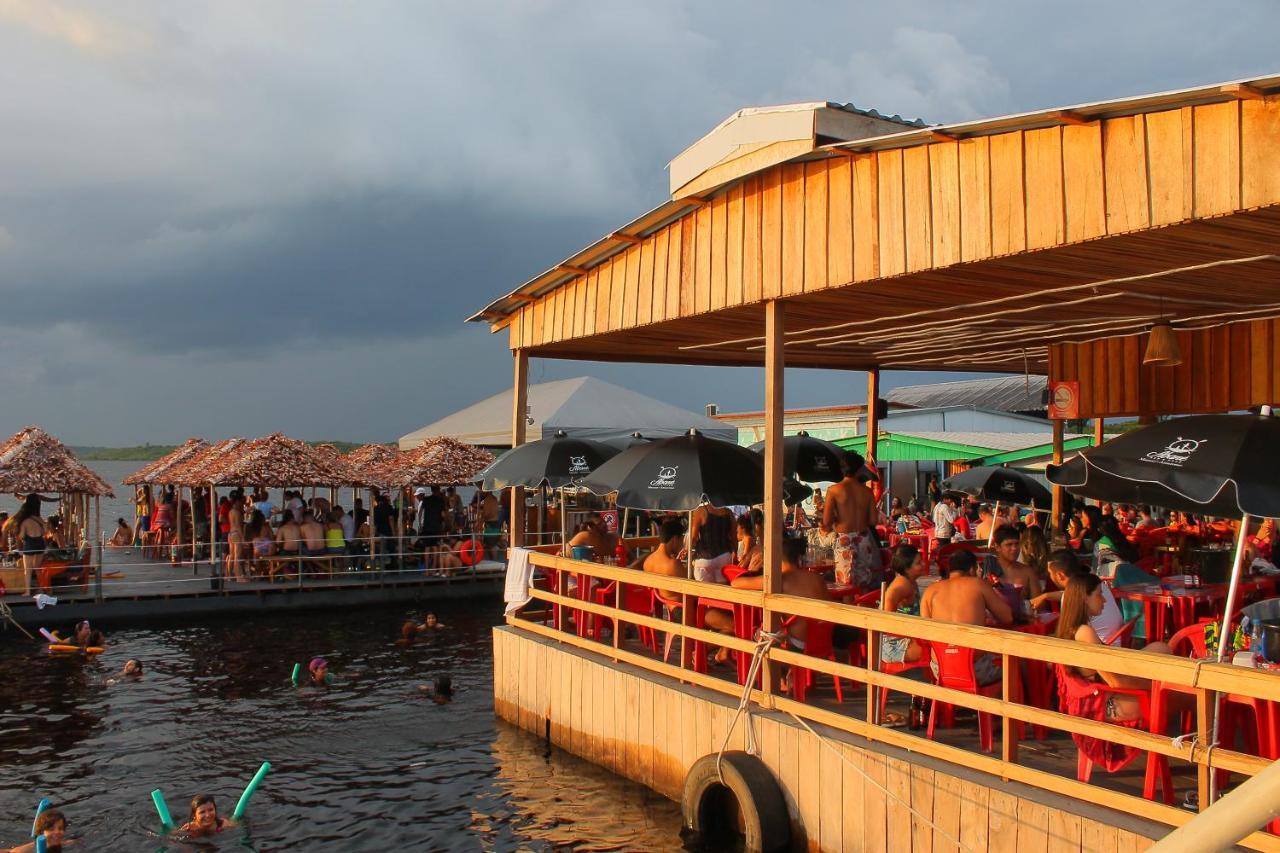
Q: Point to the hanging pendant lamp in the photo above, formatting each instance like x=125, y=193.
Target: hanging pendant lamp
x=1162, y=346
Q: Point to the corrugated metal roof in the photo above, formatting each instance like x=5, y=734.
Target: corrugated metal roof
x=1001, y=394
x=947, y=446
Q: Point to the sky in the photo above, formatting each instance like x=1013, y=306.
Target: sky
x=230, y=218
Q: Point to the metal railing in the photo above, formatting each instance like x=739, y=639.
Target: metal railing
x=1199, y=679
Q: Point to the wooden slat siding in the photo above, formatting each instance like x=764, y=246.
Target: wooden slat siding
x=719, y=236
x=792, y=228
x=1097, y=837
x=529, y=322
x=1083, y=187
x=1132, y=372
x=1043, y=182
x=1242, y=362
x=973, y=815
x=917, y=208
x=629, y=267
x=648, y=715
x=854, y=790
x=875, y=812
x=1064, y=832
x=661, y=243
x=751, y=206
x=702, y=259
x=923, y=785
x=1115, y=373
x=572, y=327
x=785, y=768
x=1008, y=200
x=1259, y=152
x=1084, y=374
x=1202, y=375
x=674, y=286
x=1217, y=158
x=1168, y=163
x=733, y=248
x=539, y=317
x=893, y=248
x=839, y=222
x=947, y=795
x=816, y=194
x=688, y=261
x=866, y=217
x=1260, y=361
x=898, y=807
x=1002, y=822
x=644, y=302
x=1033, y=827
x=604, y=284
x=771, y=234
x=831, y=790
x=810, y=793
x=1181, y=377
x=1124, y=153
x=975, y=198
x=1220, y=353
x=944, y=203
x=1131, y=842
x=563, y=316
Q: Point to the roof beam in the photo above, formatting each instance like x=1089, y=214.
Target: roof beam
x=1242, y=91
x=573, y=269
x=625, y=238
x=939, y=136
x=1067, y=117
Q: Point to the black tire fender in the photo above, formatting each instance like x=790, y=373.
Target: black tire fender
x=765, y=823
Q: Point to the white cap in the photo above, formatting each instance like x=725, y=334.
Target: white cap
x=421, y=490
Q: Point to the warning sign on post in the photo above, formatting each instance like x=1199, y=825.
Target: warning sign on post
x=1064, y=400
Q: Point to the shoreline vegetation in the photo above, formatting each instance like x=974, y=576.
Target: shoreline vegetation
x=151, y=452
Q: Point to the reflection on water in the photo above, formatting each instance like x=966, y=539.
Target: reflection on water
x=370, y=763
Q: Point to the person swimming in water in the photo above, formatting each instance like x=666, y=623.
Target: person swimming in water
x=52, y=826
x=319, y=669
x=440, y=690
x=85, y=636
x=132, y=670
x=205, y=820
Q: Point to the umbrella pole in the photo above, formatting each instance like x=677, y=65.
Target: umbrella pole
x=564, y=524
x=626, y=515
x=688, y=551
x=995, y=515
x=1224, y=638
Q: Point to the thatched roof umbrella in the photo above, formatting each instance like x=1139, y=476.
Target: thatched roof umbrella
x=277, y=460
x=366, y=462
x=31, y=460
x=154, y=472
x=202, y=467
x=441, y=461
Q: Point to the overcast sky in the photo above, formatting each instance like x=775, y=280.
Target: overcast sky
x=235, y=217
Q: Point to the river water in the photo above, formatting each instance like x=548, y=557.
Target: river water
x=370, y=763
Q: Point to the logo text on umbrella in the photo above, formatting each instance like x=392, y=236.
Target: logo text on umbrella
x=578, y=465
x=666, y=477
x=1177, y=453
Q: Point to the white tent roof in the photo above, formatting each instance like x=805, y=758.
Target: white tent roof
x=584, y=407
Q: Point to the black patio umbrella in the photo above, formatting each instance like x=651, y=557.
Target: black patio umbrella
x=807, y=458
x=1221, y=465
x=794, y=491
x=558, y=461
x=1003, y=485
x=626, y=442
x=678, y=473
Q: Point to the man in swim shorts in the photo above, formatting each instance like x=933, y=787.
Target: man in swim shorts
x=848, y=521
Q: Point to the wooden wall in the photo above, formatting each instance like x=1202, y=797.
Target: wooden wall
x=804, y=227
x=652, y=730
x=1224, y=368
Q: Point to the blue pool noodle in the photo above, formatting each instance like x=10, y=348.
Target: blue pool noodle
x=42, y=846
x=249, y=789
x=40, y=807
x=162, y=809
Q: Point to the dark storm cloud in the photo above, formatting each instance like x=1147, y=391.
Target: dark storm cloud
x=198, y=198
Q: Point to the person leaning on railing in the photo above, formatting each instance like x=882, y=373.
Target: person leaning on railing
x=1082, y=601
x=969, y=600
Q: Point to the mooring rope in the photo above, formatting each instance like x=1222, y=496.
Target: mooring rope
x=7, y=613
x=764, y=641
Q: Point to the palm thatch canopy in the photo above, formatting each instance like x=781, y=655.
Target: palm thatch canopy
x=203, y=466
x=154, y=472
x=440, y=461
x=278, y=460
x=34, y=461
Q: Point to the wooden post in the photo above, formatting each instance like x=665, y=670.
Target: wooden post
x=1055, y=510
x=1097, y=431
x=873, y=422
x=519, y=429
x=774, y=368
x=96, y=544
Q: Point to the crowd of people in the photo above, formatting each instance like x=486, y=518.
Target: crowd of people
x=27, y=538
x=431, y=528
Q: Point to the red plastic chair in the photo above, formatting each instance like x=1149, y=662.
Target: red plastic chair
x=899, y=669
x=817, y=643
x=635, y=599
x=944, y=553
x=1123, y=637
x=955, y=670
x=1076, y=694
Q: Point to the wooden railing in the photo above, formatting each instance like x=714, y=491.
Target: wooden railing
x=1199, y=679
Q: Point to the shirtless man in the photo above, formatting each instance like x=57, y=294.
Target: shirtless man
x=796, y=580
x=312, y=533
x=1006, y=565
x=961, y=597
x=850, y=513
x=665, y=560
x=288, y=544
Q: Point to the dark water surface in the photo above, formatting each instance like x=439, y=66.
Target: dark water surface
x=370, y=763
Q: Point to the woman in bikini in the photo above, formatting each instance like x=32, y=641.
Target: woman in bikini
x=31, y=538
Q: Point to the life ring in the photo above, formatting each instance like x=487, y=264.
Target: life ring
x=469, y=552
x=748, y=802
x=66, y=649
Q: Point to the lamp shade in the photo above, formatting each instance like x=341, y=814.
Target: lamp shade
x=1162, y=346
